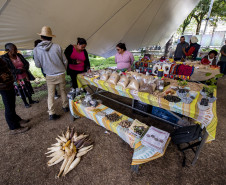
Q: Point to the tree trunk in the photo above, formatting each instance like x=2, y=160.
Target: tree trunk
x=198, y=27
x=167, y=47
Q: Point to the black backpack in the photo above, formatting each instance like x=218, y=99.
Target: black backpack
x=186, y=135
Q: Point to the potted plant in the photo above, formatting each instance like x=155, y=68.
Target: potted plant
x=182, y=83
x=209, y=92
x=203, y=104
x=182, y=92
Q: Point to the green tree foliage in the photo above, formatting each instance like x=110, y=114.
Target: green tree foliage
x=186, y=22
x=218, y=12
x=200, y=12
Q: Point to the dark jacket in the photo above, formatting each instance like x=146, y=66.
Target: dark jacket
x=6, y=77
x=179, y=52
x=193, y=50
x=15, y=71
x=68, y=51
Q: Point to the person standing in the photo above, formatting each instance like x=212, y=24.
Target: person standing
x=78, y=60
x=14, y=121
x=193, y=49
x=19, y=67
x=222, y=62
x=51, y=59
x=124, y=59
x=35, y=44
x=179, y=54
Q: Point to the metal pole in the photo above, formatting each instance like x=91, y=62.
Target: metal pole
x=208, y=16
x=200, y=147
x=4, y=6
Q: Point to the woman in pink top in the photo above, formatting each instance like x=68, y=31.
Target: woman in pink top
x=124, y=59
x=78, y=60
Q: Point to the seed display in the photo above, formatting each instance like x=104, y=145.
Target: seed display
x=125, y=123
x=113, y=117
x=139, y=129
x=183, y=91
x=171, y=98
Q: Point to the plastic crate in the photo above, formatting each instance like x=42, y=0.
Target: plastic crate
x=164, y=114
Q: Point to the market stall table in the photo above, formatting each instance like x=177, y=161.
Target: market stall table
x=142, y=154
x=207, y=118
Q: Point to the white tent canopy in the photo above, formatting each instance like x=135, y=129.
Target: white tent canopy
x=104, y=23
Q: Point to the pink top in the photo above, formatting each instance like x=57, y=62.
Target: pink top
x=19, y=65
x=124, y=60
x=75, y=55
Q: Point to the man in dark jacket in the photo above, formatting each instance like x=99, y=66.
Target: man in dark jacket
x=178, y=55
x=8, y=97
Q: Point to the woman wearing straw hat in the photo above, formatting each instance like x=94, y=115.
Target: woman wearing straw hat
x=193, y=49
x=52, y=60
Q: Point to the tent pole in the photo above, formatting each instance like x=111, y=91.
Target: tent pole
x=4, y=6
x=208, y=16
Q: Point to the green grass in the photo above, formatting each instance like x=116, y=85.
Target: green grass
x=101, y=63
x=34, y=70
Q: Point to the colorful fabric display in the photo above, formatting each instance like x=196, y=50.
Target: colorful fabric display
x=155, y=69
x=185, y=70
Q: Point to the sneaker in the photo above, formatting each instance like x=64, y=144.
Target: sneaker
x=54, y=117
x=33, y=102
x=66, y=109
x=19, y=130
x=56, y=97
x=27, y=105
x=24, y=122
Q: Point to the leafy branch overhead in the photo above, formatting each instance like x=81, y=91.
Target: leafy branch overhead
x=200, y=12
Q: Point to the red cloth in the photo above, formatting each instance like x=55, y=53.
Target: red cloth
x=190, y=51
x=184, y=70
x=205, y=61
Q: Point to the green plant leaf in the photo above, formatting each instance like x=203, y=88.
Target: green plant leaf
x=208, y=74
x=219, y=75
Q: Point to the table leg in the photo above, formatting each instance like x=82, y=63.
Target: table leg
x=135, y=168
x=200, y=147
x=93, y=91
x=72, y=118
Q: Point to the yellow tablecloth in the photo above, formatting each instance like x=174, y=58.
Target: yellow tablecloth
x=142, y=154
x=207, y=118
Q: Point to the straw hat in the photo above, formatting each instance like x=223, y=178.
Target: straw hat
x=46, y=31
x=194, y=39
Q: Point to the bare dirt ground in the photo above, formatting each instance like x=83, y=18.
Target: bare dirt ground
x=23, y=160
